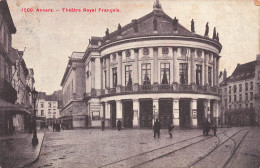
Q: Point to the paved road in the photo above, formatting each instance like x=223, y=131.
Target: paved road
x=137, y=148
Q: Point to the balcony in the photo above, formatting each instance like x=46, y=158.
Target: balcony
x=7, y=92
x=155, y=88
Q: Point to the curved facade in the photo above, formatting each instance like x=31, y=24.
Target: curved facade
x=152, y=68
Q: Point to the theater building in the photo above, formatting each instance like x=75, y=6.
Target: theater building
x=152, y=68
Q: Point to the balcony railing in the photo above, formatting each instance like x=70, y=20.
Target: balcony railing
x=7, y=92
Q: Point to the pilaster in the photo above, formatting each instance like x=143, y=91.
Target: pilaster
x=176, y=111
x=155, y=65
x=155, y=109
x=136, y=67
x=175, y=66
x=136, y=107
x=93, y=73
x=193, y=66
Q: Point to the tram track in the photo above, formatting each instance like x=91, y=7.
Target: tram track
x=193, y=164
x=163, y=147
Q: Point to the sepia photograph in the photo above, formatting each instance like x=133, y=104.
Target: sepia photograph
x=141, y=83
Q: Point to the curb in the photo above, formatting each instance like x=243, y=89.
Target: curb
x=37, y=158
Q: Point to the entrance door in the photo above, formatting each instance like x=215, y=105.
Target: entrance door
x=128, y=114
x=113, y=114
x=165, y=112
x=184, y=113
x=146, y=113
x=200, y=112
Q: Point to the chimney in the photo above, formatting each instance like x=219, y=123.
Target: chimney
x=224, y=74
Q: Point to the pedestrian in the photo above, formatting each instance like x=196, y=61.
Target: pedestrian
x=156, y=128
x=53, y=127
x=207, y=127
x=103, y=125
x=119, y=125
x=170, y=128
x=215, y=130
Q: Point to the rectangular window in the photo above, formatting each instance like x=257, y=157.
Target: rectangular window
x=229, y=99
x=198, y=74
x=246, y=86
x=235, y=88
x=128, y=75
x=251, y=86
x=235, y=97
x=42, y=105
x=251, y=105
x=165, y=73
x=246, y=96
x=246, y=105
x=225, y=91
x=146, y=74
x=251, y=95
x=49, y=111
x=49, y=104
x=240, y=97
x=95, y=115
x=114, y=76
x=210, y=76
x=240, y=87
x=105, y=76
x=42, y=112
x=183, y=73
x=229, y=89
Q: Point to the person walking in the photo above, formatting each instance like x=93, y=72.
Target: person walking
x=207, y=127
x=103, y=125
x=156, y=128
x=170, y=128
x=119, y=125
x=215, y=130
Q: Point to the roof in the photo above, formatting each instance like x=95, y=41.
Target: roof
x=77, y=55
x=41, y=95
x=4, y=9
x=242, y=72
x=13, y=55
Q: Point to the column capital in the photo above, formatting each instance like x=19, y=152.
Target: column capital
x=92, y=59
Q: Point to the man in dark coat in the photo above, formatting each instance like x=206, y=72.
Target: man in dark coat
x=207, y=127
x=119, y=125
x=103, y=125
x=170, y=127
x=156, y=128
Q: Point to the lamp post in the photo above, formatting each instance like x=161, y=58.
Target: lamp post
x=34, y=98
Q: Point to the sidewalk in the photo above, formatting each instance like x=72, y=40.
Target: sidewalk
x=17, y=150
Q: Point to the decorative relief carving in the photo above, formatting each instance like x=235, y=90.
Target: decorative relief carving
x=114, y=56
x=145, y=51
x=165, y=50
x=127, y=53
x=199, y=53
x=183, y=51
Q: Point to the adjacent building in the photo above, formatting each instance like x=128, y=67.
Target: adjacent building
x=240, y=95
x=152, y=68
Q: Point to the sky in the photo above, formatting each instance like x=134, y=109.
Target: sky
x=51, y=37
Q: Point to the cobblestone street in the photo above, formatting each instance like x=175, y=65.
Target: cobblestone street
x=138, y=148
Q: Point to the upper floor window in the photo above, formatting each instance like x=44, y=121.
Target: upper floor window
x=246, y=96
x=183, y=73
x=225, y=90
x=240, y=97
x=146, y=74
x=235, y=88
x=229, y=89
x=251, y=96
x=229, y=99
x=199, y=74
x=240, y=87
x=42, y=105
x=235, y=97
x=42, y=112
x=105, y=78
x=251, y=85
x=210, y=76
x=128, y=75
x=246, y=86
x=114, y=76
x=49, y=104
x=165, y=73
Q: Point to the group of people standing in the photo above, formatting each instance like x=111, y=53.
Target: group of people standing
x=207, y=126
x=157, y=128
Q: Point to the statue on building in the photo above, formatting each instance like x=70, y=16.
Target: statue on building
x=192, y=26
x=157, y=5
x=135, y=25
x=174, y=23
x=207, y=29
x=119, y=29
x=155, y=24
x=214, y=33
x=107, y=33
x=217, y=38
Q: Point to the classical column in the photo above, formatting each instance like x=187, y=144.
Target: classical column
x=108, y=71
x=175, y=66
x=136, y=113
x=155, y=65
x=193, y=67
x=176, y=111
x=136, y=70
x=155, y=109
x=203, y=68
x=119, y=112
x=217, y=69
x=206, y=56
x=93, y=73
x=119, y=72
x=214, y=69
x=107, y=114
x=97, y=73
x=193, y=113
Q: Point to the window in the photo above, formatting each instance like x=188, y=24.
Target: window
x=251, y=95
x=229, y=89
x=209, y=76
x=246, y=86
x=246, y=105
x=235, y=88
x=229, y=99
x=49, y=111
x=49, y=104
x=105, y=76
x=183, y=73
x=226, y=103
x=146, y=74
x=225, y=91
x=251, y=105
x=165, y=73
x=229, y=107
x=198, y=74
x=42, y=105
x=240, y=97
x=235, y=97
x=240, y=87
x=114, y=71
x=128, y=75
x=95, y=115
x=251, y=85
x=246, y=96
x=42, y=112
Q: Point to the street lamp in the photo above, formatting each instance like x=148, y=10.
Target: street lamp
x=34, y=98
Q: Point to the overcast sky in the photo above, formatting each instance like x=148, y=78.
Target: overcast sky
x=50, y=38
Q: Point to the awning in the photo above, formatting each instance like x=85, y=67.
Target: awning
x=9, y=107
